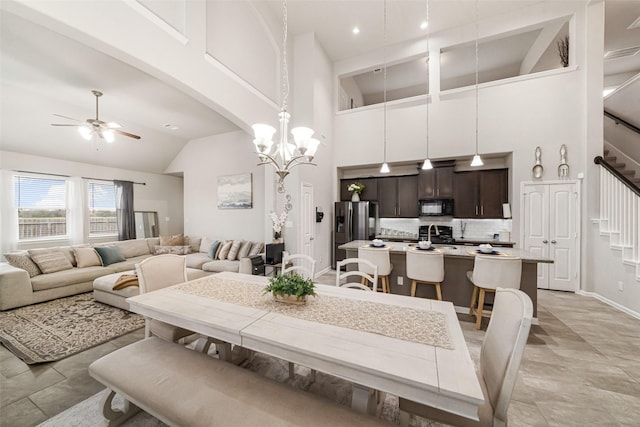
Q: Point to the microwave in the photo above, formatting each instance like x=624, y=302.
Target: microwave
x=438, y=207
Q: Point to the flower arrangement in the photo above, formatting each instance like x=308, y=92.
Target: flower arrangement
x=277, y=222
x=355, y=188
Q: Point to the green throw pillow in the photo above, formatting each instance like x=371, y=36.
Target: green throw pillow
x=109, y=254
x=213, y=249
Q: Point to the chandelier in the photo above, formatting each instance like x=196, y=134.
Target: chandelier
x=283, y=155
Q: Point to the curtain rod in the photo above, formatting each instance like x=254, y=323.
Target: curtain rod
x=69, y=176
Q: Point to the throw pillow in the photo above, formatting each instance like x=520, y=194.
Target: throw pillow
x=175, y=240
x=133, y=248
x=109, y=254
x=235, y=248
x=50, y=260
x=175, y=250
x=205, y=244
x=244, y=249
x=68, y=252
x=87, y=257
x=256, y=249
x=213, y=250
x=193, y=242
x=23, y=260
x=223, y=252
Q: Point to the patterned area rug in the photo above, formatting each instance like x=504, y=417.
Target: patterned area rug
x=56, y=329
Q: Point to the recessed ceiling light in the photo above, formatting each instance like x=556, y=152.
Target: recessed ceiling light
x=355, y=30
x=170, y=126
x=424, y=25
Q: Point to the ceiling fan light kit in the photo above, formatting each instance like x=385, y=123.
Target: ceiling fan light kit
x=97, y=127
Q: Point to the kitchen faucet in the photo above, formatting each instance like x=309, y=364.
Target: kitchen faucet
x=463, y=226
x=429, y=232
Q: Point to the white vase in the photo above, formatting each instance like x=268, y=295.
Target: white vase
x=355, y=197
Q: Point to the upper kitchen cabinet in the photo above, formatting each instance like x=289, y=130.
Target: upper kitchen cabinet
x=398, y=197
x=480, y=194
x=436, y=183
x=370, y=192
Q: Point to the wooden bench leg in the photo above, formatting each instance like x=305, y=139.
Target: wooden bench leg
x=480, y=308
x=117, y=417
x=474, y=295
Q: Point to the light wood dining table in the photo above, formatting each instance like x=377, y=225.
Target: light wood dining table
x=375, y=357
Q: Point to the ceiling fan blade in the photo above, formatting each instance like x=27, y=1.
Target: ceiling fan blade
x=70, y=118
x=58, y=124
x=121, y=132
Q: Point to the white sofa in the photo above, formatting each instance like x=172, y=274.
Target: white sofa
x=18, y=289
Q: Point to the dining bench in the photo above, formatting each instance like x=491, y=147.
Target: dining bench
x=182, y=387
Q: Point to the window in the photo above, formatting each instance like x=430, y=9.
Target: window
x=42, y=208
x=102, y=209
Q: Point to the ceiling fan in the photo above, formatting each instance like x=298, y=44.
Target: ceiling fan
x=96, y=126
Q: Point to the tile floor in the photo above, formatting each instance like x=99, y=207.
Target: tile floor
x=581, y=367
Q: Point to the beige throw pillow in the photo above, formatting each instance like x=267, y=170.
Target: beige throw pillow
x=235, y=248
x=22, y=260
x=175, y=250
x=193, y=242
x=244, y=249
x=87, y=257
x=223, y=252
x=175, y=240
x=50, y=260
x=256, y=249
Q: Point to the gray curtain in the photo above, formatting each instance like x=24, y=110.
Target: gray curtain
x=124, y=210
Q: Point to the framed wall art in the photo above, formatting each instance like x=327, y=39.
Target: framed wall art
x=235, y=191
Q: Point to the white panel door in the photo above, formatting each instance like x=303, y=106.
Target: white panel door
x=536, y=227
x=550, y=219
x=307, y=219
x=562, y=237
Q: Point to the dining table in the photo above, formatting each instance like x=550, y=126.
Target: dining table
x=382, y=343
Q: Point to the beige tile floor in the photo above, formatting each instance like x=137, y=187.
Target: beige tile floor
x=581, y=367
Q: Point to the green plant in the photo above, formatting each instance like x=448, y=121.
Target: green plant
x=290, y=284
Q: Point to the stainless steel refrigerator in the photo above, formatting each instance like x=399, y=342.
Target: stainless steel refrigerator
x=353, y=221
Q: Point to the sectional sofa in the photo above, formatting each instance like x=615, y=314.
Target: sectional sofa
x=40, y=275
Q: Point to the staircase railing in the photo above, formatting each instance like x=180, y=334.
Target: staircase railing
x=622, y=122
x=620, y=213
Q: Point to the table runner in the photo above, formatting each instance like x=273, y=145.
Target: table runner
x=409, y=324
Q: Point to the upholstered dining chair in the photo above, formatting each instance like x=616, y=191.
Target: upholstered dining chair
x=425, y=267
x=381, y=258
x=156, y=273
x=500, y=358
x=364, y=275
x=300, y=263
x=490, y=272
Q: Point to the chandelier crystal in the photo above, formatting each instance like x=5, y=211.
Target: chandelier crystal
x=284, y=154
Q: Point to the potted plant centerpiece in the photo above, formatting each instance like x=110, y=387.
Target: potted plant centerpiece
x=355, y=189
x=291, y=288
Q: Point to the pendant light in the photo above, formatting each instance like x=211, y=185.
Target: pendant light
x=427, y=162
x=284, y=154
x=385, y=166
x=477, y=161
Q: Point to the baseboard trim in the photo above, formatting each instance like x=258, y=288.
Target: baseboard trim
x=610, y=302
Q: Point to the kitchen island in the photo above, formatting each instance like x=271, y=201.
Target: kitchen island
x=458, y=259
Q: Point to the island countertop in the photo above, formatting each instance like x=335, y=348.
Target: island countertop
x=451, y=251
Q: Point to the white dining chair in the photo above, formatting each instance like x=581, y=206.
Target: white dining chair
x=490, y=272
x=381, y=258
x=156, y=273
x=363, y=275
x=425, y=267
x=299, y=263
x=500, y=358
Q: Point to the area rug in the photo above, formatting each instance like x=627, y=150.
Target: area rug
x=56, y=329
x=88, y=412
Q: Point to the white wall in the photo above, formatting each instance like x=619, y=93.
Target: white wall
x=202, y=161
x=162, y=193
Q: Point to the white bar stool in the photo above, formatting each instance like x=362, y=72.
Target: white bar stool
x=490, y=272
x=425, y=267
x=381, y=258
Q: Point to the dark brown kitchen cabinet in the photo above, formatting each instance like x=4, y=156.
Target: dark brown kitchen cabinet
x=398, y=197
x=370, y=192
x=480, y=194
x=436, y=183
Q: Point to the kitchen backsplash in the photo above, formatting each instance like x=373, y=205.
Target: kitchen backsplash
x=474, y=229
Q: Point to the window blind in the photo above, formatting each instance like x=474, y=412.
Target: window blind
x=42, y=207
x=102, y=209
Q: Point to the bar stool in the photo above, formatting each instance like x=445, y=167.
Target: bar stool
x=381, y=258
x=490, y=272
x=425, y=267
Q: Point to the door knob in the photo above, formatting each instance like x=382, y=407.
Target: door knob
x=553, y=241
x=311, y=238
x=545, y=241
